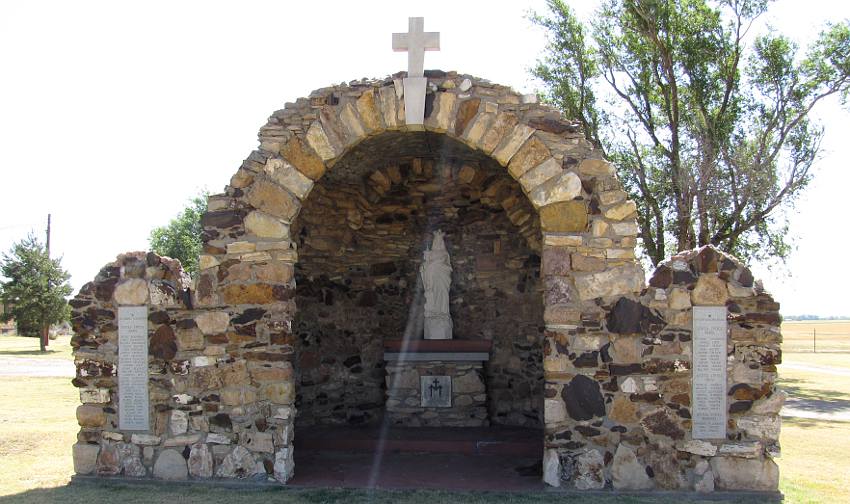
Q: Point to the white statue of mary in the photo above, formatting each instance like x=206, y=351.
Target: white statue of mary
x=436, y=271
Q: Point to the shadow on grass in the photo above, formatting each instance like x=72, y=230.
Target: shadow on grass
x=168, y=494
x=19, y=353
x=801, y=397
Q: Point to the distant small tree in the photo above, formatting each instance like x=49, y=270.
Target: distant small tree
x=34, y=288
x=181, y=238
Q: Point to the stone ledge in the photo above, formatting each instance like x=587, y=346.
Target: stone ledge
x=439, y=346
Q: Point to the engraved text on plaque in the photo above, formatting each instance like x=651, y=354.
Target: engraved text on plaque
x=133, y=400
x=709, y=372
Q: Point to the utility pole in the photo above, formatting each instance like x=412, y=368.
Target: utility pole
x=45, y=330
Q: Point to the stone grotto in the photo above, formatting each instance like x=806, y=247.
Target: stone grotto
x=309, y=308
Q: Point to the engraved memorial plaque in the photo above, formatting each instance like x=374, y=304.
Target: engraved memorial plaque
x=709, y=372
x=133, y=400
x=436, y=391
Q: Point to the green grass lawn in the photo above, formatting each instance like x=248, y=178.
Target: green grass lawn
x=38, y=427
x=19, y=346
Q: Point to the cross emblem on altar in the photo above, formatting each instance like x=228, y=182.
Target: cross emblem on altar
x=416, y=41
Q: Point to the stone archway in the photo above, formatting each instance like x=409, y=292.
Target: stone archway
x=215, y=385
x=586, y=233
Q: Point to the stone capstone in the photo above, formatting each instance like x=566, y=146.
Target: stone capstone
x=583, y=398
x=170, y=465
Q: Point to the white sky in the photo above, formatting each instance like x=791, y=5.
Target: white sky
x=113, y=114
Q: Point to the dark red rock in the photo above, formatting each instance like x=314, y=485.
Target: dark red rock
x=686, y=277
x=221, y=422
x=556, y=261
x=740, y=406
x=249, y=315
x=186, y=323
x=79, y=303
x=662, y=424
x=583, y=398
x=204, y=289
x=587, y=359
x=158, y=317
x=587, y=431
x=625, y=316
x=746, y=277
x=104, y=289
x=648, y=397
x=624, y=369
x=163, y=344
x=630, y=317
x=283, y=293
x=222, y=218
x=662, y=278
x=706, y=260
x=552, y=125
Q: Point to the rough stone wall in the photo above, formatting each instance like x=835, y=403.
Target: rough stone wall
x=220, y=384
x=618, y=402
x=358, y=285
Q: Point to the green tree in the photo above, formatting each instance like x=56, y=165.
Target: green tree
x=34, y=288
x=710, y=130
x=181, y=238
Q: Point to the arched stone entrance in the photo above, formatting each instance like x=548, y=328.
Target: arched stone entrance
x=616, y=353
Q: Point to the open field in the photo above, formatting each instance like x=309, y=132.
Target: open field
x=38, y=427
x=816, y=335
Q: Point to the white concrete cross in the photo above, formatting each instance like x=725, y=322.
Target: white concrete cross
x=416, y=42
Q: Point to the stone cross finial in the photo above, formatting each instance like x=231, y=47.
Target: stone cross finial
x=416, y=42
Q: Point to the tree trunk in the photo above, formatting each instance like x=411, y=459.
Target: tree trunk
x=42, y=339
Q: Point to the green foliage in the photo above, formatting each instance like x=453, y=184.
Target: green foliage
x=711, y=135
x=34, y=288
x=181, y=238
